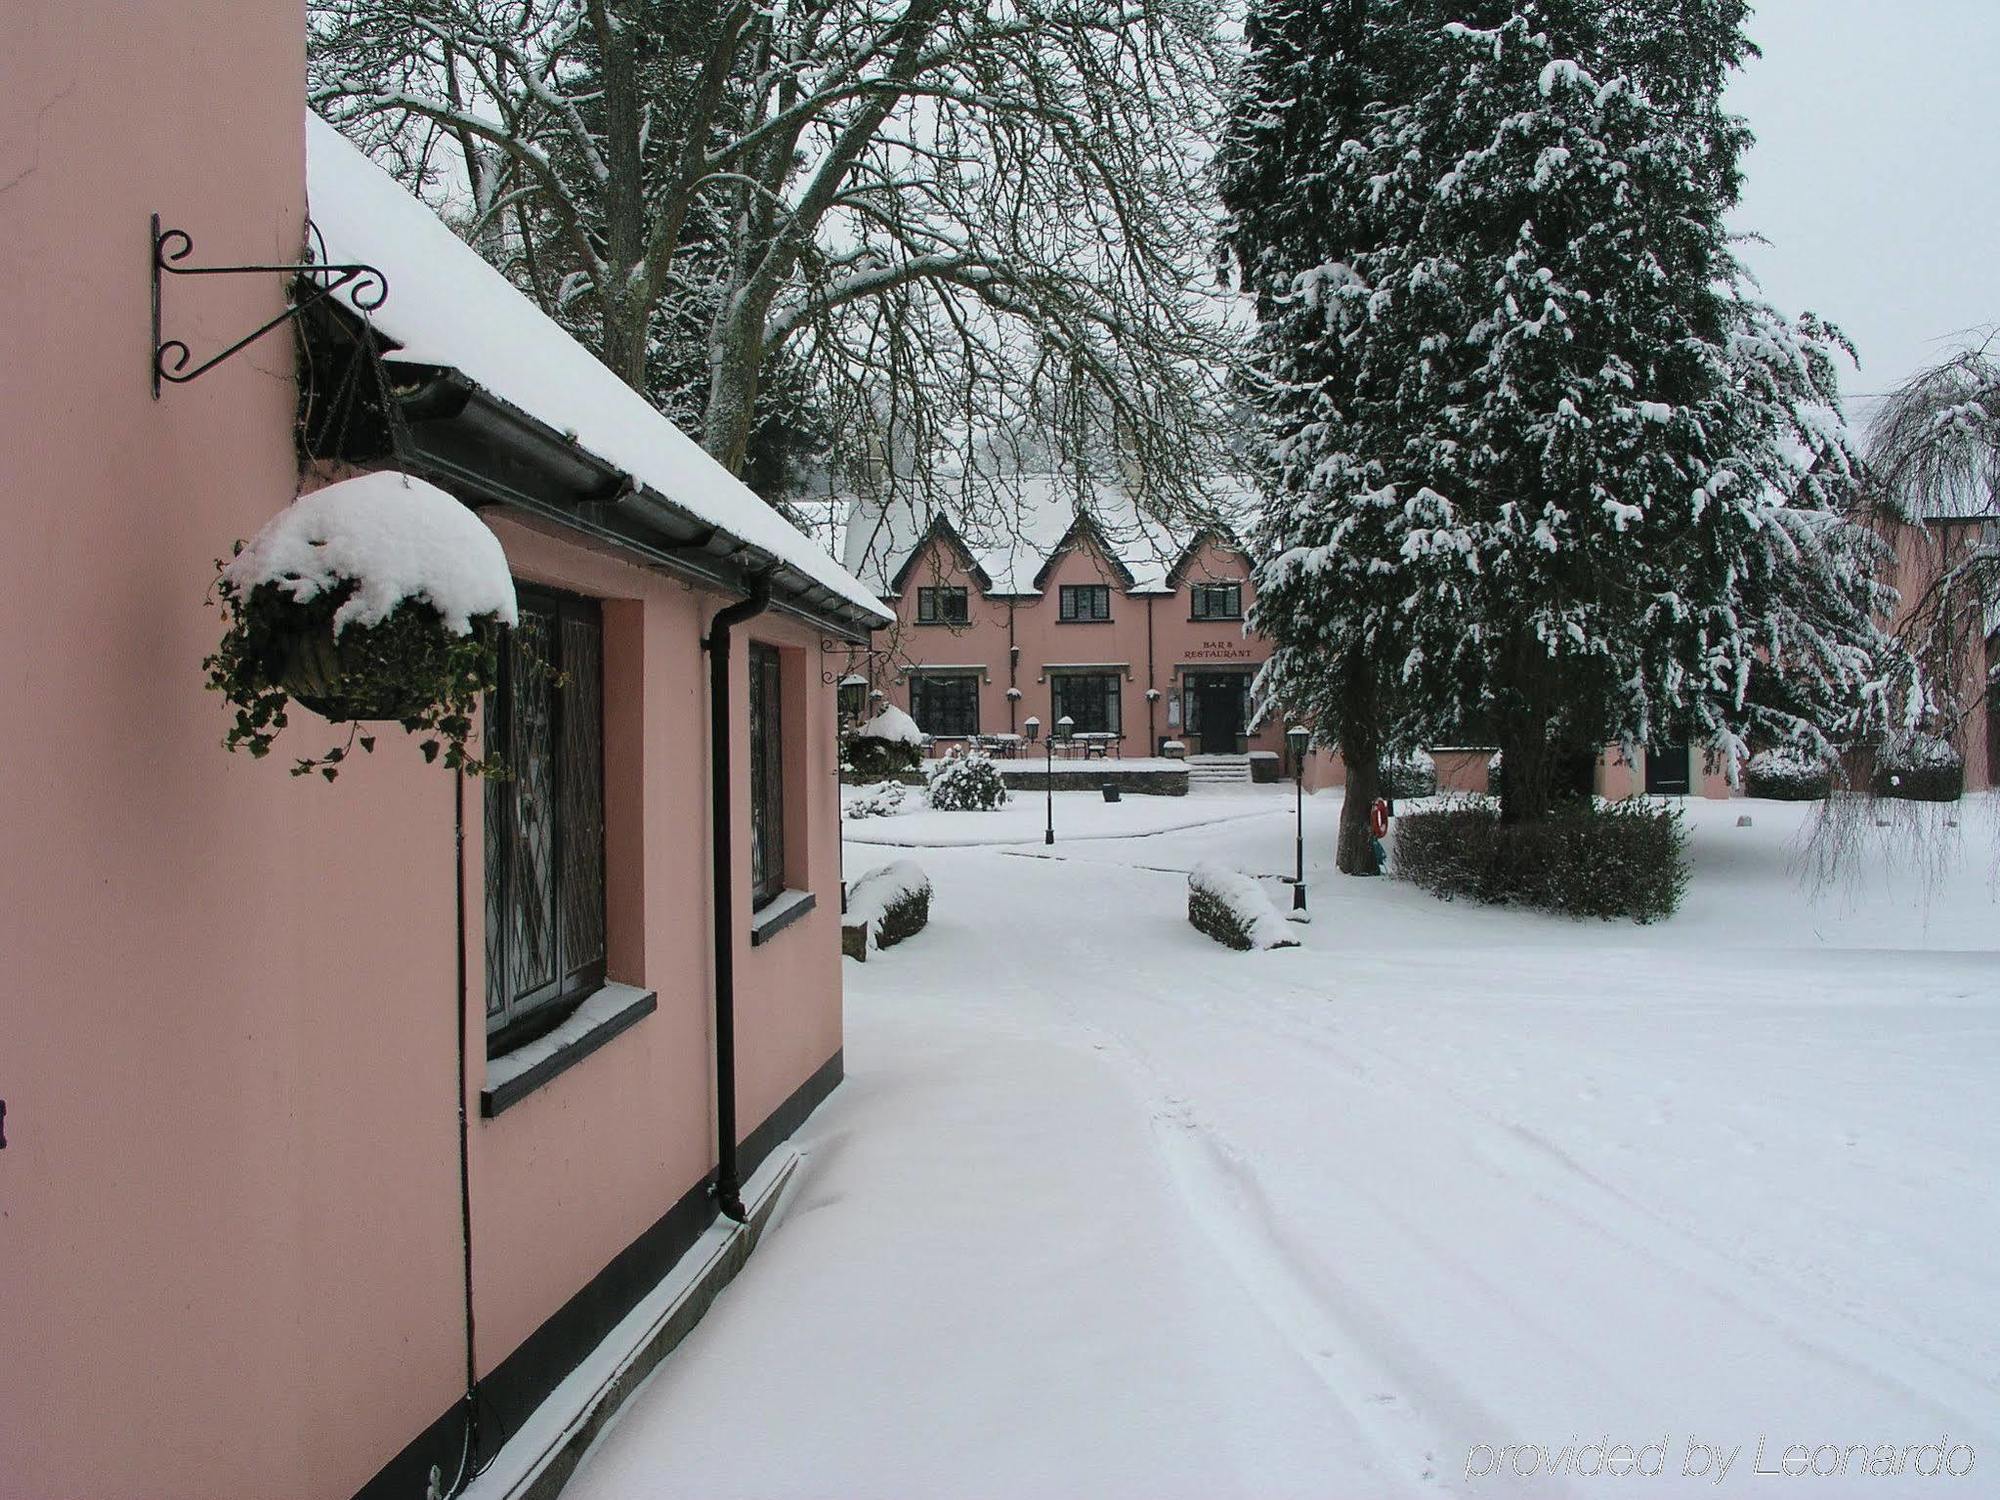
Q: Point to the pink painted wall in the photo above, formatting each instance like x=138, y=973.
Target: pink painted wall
x=1033, y=623
x=1464, y=771
x=229, y=1203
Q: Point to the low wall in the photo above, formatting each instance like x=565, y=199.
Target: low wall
x=1146, y=778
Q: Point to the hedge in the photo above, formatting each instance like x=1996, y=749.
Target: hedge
x=1624, y=859
x=1788, y=776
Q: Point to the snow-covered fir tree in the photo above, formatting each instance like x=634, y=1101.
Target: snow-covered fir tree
x=1531, y=446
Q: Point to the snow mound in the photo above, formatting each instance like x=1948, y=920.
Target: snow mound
x=394, y=538
x=1232, y=908
x=894, y=725
x=885, y=906
x=882, y=800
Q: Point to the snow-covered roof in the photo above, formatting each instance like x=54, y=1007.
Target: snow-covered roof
x=1011, y=534
x=448, y=308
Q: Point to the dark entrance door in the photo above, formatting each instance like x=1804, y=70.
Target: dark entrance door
x=1221, y=702
x=1667, y=770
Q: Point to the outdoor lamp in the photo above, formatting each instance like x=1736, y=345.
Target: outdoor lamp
x=1065, y=727
x=1296, y=739
x=1033, y=726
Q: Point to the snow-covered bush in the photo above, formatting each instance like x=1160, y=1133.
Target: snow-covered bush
x=375, y=598
x=1621, y=859
x=1920, y=768
x=888, y=743
x=885, y=906
x=883, y=799
x=1232, y=908
x=1411, y=775
x=965, y=781
x=1786, y=775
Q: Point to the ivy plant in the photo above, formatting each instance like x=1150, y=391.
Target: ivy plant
x=409, y=669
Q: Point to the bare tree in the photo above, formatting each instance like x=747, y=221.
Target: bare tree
x=953, y=219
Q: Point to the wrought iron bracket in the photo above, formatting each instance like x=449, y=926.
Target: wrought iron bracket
x=370, y=289
x=861, y=660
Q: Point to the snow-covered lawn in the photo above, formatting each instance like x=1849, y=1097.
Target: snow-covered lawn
x=1104, y=1209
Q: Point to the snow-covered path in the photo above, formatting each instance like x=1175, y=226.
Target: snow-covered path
x=1104, y=1209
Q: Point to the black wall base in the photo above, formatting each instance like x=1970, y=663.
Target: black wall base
x=524, y=1379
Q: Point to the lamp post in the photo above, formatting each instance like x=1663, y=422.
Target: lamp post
x=1060, y=730
x=1296, y=737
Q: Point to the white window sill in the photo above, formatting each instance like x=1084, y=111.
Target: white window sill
x=513, y=1076
x=780, y=914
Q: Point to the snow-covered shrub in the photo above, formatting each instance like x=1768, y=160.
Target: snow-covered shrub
x=375, y=598
x=1411, y=775
x=882, y=800
x=1785, y=775
x=885, y=906
x=888, y=743
x=1920, y=768
x=1621, y=859
x=965, y=781
x=1232, y=908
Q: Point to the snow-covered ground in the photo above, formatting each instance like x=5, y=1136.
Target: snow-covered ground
x=1104, y=1209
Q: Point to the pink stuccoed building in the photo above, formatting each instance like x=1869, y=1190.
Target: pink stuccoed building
x=343, y=1121
x=1075, y=607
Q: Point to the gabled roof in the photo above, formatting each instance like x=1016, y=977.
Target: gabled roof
x=1012, y=534
x=1217, y=536
x=450, y=314
x=944, y=534
x=1084, y=529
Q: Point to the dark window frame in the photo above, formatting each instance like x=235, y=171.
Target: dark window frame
x=563, y=676
x=767, y=775
x=1063, y=684
x=955, y=599
x=962, y=685
x=1201, y=601
x=1070, y=599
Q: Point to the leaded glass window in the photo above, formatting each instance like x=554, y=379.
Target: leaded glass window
x=1090, y=700
x=545, y=941
x=767, y=776
x=946, y=704
x=1077, y=603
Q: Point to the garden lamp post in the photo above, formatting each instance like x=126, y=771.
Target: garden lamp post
x=1296, y=738
x=1060, y=730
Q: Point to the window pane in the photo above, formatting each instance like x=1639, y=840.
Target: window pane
x=1090, y=700
x=545, y=931
x=531, y=937
x=946, y=705
x=581, y=775
x=767, y=787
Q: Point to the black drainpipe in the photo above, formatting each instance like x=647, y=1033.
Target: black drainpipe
x=728, y=1180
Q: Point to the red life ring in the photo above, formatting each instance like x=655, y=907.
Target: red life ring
x=1378, y=819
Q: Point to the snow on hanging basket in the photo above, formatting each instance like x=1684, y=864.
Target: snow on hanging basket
x=377, y=598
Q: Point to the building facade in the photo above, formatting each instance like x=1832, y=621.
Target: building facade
x=342, y=1121
x=1092, y=616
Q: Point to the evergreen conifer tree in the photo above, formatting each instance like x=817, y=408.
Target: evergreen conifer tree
x=1528, y=442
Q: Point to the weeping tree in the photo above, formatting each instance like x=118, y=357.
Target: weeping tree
x=1934, y=461
x=1537, y=451
x=882, y=227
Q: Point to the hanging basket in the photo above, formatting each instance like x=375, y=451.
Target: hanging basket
x=339, y=678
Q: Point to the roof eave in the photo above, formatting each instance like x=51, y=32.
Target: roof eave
x=489, y=451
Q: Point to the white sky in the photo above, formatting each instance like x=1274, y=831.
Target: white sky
x=1873, y=176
